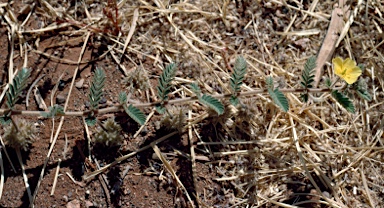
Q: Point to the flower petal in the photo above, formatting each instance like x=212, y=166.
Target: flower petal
x=338, y=66
x=352, y=74
x=349, y=64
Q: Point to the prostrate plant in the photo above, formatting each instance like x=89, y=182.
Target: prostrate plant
x=348, y=71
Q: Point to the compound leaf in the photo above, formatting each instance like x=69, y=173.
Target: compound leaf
x=213, y=103
x=135, y=114
x=17, y=86
x=96, y=91
x=344, y=101
x=279, y=99
x=163, y=89
x=239, y=72
x=307, y=77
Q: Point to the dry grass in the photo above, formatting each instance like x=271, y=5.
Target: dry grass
x=315, y=155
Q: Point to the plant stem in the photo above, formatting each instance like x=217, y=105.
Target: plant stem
x=153, y=104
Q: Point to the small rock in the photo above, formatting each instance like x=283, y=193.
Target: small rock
x=103, y=100
x=87, y=104
x=146, y=194
x=79, y=84
x=65, y=197
x=60, y=99
x=73, y=204
x=85, y=86
x=61, y=85
x=88, y=204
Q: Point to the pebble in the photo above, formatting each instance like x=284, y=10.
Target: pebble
x=80, y=83
x=88, y=204
x=103, y=100
x=61, y=85
x=60, y=99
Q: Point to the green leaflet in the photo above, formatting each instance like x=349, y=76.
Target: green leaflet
x=279, y=99
x=53, y=111
x=307, y=77
x=165, y=79
x=123, y=98
x=269, y=82
x=132, y=111
x=90, y=120
x=213, y=103
x=96, y=91
x=344, y=101
x=196, y=89
x=135, y=114
x=362, y=90
x=208, y=100
x=277, y=96
x=17, y=86
x=237, y=78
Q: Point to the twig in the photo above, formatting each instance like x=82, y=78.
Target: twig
x=25, y=177
x=55, y=179
x=30, y=89
x=2, y=174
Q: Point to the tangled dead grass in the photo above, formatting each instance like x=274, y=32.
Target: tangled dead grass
x=315, y=155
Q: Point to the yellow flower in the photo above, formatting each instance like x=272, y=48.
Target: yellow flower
x=346, y=69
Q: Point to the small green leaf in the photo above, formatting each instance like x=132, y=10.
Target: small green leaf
x=123, y=98
x=135, y=114
x=279, y=99
x=160, y=108
x=239, y=72
x=97, y=85
x=213, y=103
x=17, y=86
x=269, y=82
x=304, y=97
x=90, y=120
x=362, y=90
x=5, y=120
x=328, y=83
x=344, y=101
x=196, y=89
x=234, y=100
x=165, y=79
x=56, y=110
x=307, y=77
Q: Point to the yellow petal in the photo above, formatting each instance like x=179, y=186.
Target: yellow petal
x=349, y=64
x=338, y=66
x=352, y=74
